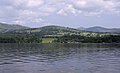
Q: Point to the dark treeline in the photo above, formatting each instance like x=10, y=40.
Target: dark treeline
x=20, y=39
x=62, y=39
x=85, y=39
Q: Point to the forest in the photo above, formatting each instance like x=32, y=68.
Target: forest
x=20, y=39
x=86, y=39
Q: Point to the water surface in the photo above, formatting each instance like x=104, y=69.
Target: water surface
x=59, y=58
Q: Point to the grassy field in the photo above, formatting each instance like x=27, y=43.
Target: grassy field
x=48, y=40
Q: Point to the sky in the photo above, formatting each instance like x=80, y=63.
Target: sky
x=70, y=13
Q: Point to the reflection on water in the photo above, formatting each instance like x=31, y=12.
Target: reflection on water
x=59, y=58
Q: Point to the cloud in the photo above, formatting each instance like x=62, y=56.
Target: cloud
x=68, y=9
x=24, y=11
x=19, y=22
x=90, y=7
x=94, y=13
x=38, y=20
x=96, y=5
x=28, y=3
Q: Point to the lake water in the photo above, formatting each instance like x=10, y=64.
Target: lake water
x=59, y=58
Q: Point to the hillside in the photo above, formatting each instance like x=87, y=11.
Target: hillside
x=8, y=27
x=97, y=29
x=101, y=29
x=55, y=31
x=47, y=31
x=52, y=31
x=49, y=34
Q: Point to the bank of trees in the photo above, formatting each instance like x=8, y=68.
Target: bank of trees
x=20, y=39
x=62, y=39
x=86, y=39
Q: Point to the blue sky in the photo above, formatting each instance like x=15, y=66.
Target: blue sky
x=71, y=13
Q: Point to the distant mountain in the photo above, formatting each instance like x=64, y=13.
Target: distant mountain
x=97, y=29
x=8, y=27
x=102, y=29
x=81, y=28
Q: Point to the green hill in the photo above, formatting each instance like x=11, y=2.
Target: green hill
x=49, y=34
x=8, y=27
x=48, y=31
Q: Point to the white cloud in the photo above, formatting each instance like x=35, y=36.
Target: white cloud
x=28, y=3
x=62, y=12
x=23, y=11
x=27, y=13
x=34, y=3
x=90, y=7
x=68, y=9
x=80, y=3
x=21, y=22
x=46, y=10
x=96, y=13
x=96, y=5
x=38, y=20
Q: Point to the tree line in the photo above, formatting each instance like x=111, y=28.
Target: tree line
x=62, y=39
x=86, y=39
x=20, y=39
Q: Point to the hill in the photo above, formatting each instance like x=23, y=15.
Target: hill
x=49, y=34
x=101, y=29
x=8, y=27
x=47, y=31
x=53, y=31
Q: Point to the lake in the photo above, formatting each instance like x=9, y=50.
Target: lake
x=60, y=58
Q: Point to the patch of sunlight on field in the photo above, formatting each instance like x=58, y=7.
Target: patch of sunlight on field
x=48, y=40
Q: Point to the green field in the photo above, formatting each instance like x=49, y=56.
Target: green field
x=48, y=40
